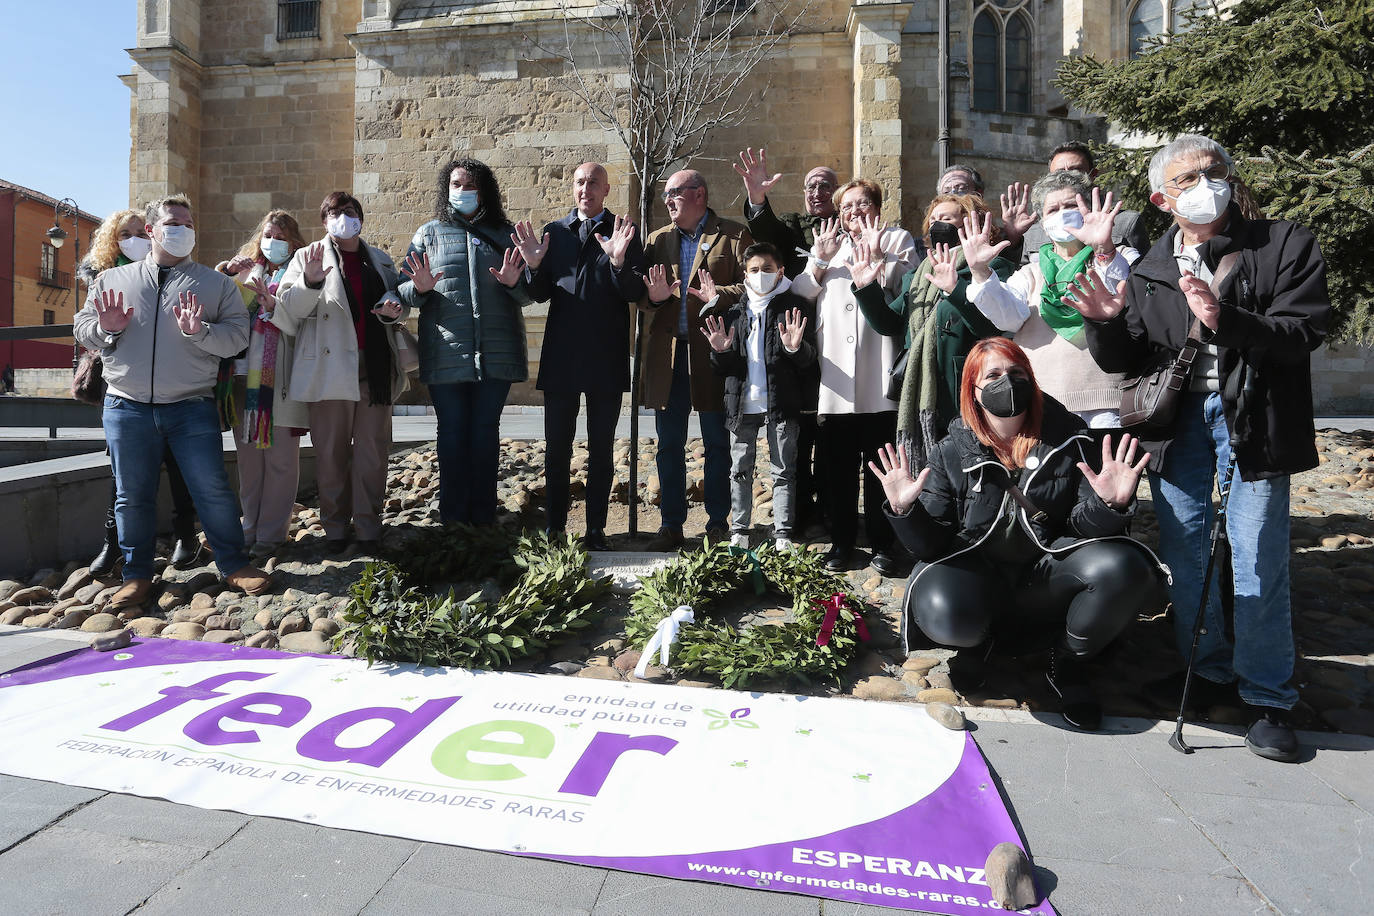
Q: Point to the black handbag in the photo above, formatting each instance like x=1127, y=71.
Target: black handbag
x=88, y=383
x=1150, y=401
x=896, y=376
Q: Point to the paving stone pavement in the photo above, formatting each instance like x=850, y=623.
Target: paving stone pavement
x=1117, y=823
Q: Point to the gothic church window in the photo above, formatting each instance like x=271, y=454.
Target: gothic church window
x=1157, y=17
x=1003, y=55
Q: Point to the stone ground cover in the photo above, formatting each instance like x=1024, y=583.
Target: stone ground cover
x=1332, y=563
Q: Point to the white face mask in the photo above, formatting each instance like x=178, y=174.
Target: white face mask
x=178, y=240
x=135, y=247
x=343, y=226
x=275, y=250
x=1058, y=224
x=1204, y=201
x=762, y=282
x=465, y=202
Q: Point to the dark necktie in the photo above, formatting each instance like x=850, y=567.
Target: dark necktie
x=584, y=230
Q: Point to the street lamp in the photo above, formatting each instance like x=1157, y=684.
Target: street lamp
x=56, y=236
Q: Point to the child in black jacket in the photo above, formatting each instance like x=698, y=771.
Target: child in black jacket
x=768, y=357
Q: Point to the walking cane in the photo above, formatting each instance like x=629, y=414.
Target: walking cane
x=1218, y=535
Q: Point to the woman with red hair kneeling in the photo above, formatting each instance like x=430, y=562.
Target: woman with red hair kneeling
x=1019, y=535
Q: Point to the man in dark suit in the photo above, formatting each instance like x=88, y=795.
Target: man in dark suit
x=588, y=266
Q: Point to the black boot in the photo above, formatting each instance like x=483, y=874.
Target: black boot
x=1068, y=678
x=110, y=554
x=186, y=550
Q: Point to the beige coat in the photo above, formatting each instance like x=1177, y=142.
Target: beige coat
x=855, y=359
x=325, y=359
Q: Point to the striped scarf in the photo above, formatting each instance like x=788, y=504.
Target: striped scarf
x=262, y=376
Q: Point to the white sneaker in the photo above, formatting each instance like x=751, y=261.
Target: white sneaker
x=783, y=544
x=739, y=540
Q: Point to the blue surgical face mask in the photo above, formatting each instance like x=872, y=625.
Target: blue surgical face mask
x=465, y=201
x=275, y=250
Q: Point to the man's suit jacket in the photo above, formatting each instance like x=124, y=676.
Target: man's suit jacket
x=587, y=334
x=721, y=252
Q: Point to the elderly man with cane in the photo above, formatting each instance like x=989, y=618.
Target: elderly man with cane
x=1245, y=299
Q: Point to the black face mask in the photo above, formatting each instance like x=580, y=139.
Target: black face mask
x=944, y=234
x=1008, y=396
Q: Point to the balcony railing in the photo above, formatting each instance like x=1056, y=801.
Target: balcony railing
x=59, y=279
x=298, y=19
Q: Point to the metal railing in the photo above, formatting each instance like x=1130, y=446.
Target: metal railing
x=298, y=19
x=48, y=276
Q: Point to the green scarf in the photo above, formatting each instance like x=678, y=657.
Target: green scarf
x=1063, y=319
x=916, y=409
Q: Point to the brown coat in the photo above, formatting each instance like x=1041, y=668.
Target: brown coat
x=721, y=252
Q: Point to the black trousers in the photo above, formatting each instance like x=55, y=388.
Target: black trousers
x=560, y=427
x=1090, y=594
x=845, y=443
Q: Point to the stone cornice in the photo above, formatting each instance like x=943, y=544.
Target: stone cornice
x=879, y=15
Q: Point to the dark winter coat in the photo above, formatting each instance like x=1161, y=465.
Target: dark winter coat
x=790, y=375
x=967, y=489
x=786, y=232
x=1274, y=311
x=587, y=333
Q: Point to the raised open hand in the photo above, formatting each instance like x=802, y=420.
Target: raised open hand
x=865, y=268
x=975, y=237
x=754, y=171
x=237, y=265
x=827, y=243
x=1096, y=231
x=871, y=229
x=109, y=309
x=188, y=313
x=716, y=335
x=1201, y=300
x=512, y=264
x=705, y=290
x=619, y=241
x=313, y=268
x=532, y=249
x=895, y=475
x=660, y=290
x=1094, y=298
x=1016, y=211
x=790, y=329
x=416, y=267
x=944, y=275
x=1120, y=475
x=266, y=301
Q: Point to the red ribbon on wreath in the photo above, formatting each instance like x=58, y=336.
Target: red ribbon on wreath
x=833, y=605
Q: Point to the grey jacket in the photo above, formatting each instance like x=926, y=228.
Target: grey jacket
x=152, y=362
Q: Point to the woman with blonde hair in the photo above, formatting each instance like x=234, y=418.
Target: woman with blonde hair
x=253, y=391
x=935, y=320
x=855, y=415
x=122, y=238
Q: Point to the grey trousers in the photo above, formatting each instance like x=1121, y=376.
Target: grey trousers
x=782, y=459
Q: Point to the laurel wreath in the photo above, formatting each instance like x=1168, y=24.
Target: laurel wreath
x=771, y=651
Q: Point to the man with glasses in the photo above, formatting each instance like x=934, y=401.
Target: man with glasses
x=695, y=265
x=793, y=234
x=1252, y=292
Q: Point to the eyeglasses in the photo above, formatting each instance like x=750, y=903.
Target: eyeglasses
x=959, y=189
x=678, y=192
x=821, y=186
x=863, y=205
x=1218, y=172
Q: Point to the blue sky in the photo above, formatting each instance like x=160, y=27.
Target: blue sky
x=67, y=125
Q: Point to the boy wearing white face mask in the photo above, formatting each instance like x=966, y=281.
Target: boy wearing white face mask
x=1028, y=303
x=766, y=351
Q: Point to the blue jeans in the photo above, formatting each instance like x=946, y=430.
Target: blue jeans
x=671, y=458
x=137, y=434
x=1257, y=526
x=469, y=446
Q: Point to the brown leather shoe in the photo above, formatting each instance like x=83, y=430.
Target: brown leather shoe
x=666, y=541
x=250, y=580
x=134, y=593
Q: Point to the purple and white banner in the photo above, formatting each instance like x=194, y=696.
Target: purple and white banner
x=869, y=802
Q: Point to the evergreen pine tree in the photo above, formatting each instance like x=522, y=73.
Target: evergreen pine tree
x=1287, y=87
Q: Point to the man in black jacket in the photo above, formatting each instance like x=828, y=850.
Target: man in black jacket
x=1253, y=292
x=588, y=266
